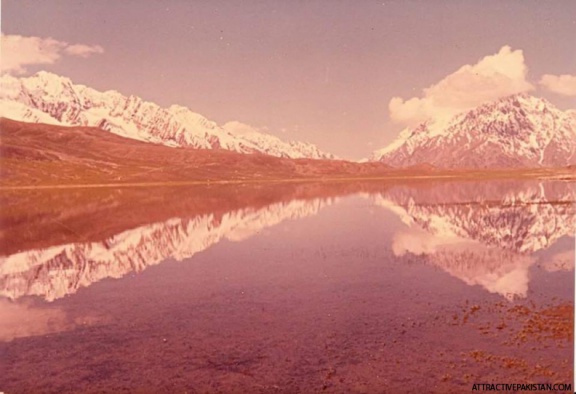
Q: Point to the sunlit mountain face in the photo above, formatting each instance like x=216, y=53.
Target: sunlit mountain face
x=515, y=131
x=49, y=98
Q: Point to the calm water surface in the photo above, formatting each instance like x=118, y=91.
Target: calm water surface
x=400, y=288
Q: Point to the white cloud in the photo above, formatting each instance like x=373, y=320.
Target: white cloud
x=420, y=242
x=83, y=50
x=561, y=84
x=18, y=52
x=496, y=270
x=492, y=77
x=23, y=320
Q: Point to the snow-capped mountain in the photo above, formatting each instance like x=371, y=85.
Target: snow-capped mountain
x=274, y=145
x=48, y=98
x=516, y=131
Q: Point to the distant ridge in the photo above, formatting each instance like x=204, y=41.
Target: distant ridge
x=49, y=98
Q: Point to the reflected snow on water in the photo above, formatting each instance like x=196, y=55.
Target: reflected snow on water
x=328, y=291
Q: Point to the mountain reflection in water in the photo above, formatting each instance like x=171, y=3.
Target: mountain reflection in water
x=484, y=234
x=344, y=287
x=61, y=270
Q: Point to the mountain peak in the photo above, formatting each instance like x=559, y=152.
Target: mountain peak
x=50, y=98
x=515, y=131
x=520, y=100
x=48, y=77
x=46, y=74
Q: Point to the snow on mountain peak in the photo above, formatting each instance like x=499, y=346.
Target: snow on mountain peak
x=275, y=146
x=49, y=98
x=515, y=131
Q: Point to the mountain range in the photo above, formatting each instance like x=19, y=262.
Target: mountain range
x=48, y=98
x=518, y=131
x=515, y=131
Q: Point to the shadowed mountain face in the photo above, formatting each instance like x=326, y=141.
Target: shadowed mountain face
x=486, y=234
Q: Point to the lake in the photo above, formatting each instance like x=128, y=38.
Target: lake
x=320, y=287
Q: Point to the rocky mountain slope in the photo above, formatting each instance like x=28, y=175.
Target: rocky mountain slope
x=516, y=131
x=48, y=98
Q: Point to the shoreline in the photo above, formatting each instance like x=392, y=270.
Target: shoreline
x=533, y=174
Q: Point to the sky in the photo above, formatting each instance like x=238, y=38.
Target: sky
x=347, y=75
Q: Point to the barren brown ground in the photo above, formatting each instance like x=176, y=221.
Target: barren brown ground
x=39, y=155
